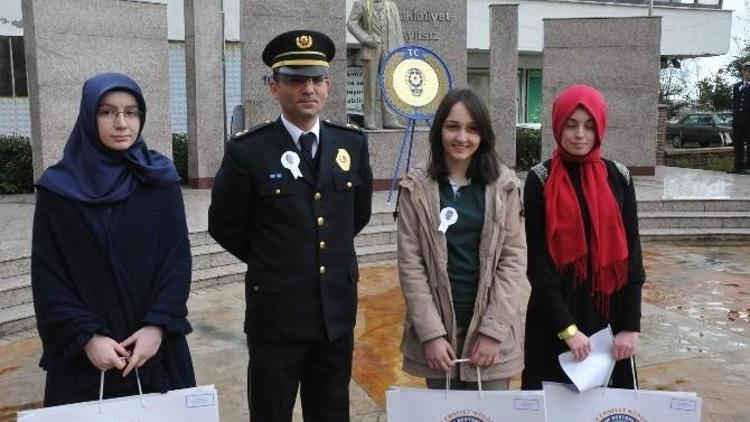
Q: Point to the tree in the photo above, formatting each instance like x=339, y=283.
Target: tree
x=733, y=68
x=715, y=92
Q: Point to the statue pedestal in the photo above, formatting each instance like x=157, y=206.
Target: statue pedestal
x=384, y=147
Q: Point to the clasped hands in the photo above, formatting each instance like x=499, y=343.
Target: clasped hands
x=440, y=355
x=133, y=352
x=625, y=345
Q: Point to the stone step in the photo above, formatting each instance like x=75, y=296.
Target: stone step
x=17, y=318
x=15, y=266
x=695, y=205
x=376, y=253
x=687, y=220
x=200, y=238
x=15, y=290
x=376, y=235
x=215, y=276
x=696, y=234
x=211, y=255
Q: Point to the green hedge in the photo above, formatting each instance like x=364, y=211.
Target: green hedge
x=16, y=169
x=528, y=148
x=180, y=155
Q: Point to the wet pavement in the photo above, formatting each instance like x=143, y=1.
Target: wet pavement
x=695, y=337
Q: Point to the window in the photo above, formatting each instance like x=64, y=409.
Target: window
x=12, y=67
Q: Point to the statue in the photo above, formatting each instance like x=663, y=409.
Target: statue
x=377, y=26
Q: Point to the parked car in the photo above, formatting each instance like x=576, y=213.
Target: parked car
x=703, y=129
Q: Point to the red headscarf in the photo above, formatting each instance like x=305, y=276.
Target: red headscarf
x=604, y=260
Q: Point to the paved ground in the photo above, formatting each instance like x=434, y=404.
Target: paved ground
x=696, y=337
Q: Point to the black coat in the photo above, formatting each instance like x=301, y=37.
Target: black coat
x=301, y=283
x=554, y=304
x=111, y=269
x=741, y=106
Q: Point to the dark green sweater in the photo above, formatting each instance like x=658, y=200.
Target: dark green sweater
x=463, y=245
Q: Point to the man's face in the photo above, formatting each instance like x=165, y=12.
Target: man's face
x=301, y=97
x=746, y=73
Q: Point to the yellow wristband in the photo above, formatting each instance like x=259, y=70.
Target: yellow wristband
x=568, y=332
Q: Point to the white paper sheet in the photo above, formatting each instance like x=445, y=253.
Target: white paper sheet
x=596, y=369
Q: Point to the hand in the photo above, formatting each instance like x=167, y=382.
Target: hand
x=485, y=352
x=626, y=343
x=105, y=353
x=372, y=41
x=439, y=354
x=580, y=345
x=146, y=343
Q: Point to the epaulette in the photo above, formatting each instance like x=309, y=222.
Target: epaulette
x=623, y=170
x=541, y=172
x=239, y=135
x=348, y=126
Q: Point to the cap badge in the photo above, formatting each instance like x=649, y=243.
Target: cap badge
x=304, y=41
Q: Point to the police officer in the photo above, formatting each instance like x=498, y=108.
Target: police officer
x=741, y=122
x=288, y=199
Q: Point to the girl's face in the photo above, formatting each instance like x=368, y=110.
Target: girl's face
x=460, y=135
x=579, y=133
x=118, y=120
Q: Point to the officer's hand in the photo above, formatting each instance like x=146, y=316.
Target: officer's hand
x=439, y=354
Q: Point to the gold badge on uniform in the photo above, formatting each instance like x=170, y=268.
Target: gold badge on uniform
x=304, y=41
x=343, y=159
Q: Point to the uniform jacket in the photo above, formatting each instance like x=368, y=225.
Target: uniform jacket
x=393, y=36
x=296, y=235
x=741, y=104
x=423, y=260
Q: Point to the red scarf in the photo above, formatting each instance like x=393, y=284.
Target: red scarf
x=605, y=260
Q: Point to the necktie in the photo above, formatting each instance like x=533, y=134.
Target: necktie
x=306, y=142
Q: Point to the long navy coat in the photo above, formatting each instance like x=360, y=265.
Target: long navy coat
x=111, y=269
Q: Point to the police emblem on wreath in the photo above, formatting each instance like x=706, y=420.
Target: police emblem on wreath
x=413, y=81
x=343, y=159
x=304, y=41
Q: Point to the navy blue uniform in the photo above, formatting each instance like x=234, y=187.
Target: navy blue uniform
x=297, y=238
x=741, y=125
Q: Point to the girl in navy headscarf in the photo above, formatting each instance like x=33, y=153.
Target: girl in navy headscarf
x=110, y=260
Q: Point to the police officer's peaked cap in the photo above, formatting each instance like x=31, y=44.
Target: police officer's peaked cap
x=300, y=53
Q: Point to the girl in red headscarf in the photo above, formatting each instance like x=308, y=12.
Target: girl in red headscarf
x=584, y=254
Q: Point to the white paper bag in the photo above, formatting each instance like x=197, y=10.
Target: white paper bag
x=197, y=404
x=565, y=404
x=421, y=405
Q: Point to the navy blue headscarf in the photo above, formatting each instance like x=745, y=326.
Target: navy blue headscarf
x=92, y=173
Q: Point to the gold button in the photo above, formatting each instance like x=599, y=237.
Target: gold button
x=278, y=191
x=322, y=269
x=256, y=288
x=317, y=196
x=321, y=221
x=322, y=245
x=349, y=185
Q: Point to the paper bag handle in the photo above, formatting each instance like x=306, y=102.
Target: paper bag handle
x=101, y=389
x=448, y=378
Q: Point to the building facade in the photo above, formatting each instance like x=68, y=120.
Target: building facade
x=691, y=28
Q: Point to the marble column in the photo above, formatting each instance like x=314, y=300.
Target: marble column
x=67, y=42
x=619, y=57
x=504, y=78
x=204, y=41
x=261, y=21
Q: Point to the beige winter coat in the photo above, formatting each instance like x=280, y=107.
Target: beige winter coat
x=422, y=263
